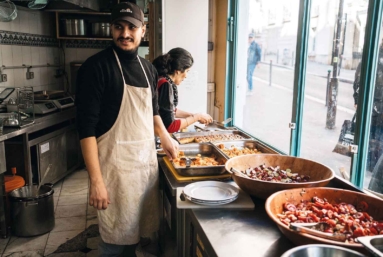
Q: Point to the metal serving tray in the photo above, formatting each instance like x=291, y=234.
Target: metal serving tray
x=373, y=243
x=177, y=136
x=251, y=144
x=206, y=150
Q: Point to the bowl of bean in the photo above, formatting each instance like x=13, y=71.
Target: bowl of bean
x=261, y=175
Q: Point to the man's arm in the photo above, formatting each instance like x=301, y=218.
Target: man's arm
x=98, y=195
x=169, y=145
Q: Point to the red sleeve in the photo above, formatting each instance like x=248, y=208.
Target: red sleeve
x=174, y=126
x=160, y=82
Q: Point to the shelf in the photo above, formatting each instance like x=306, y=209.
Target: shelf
x=84, y=38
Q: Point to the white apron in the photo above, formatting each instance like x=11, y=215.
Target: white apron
x=129, y=168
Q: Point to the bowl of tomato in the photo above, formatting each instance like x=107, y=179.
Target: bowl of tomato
x=353, y=214
x=261, y=175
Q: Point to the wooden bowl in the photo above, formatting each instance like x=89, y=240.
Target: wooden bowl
x=320, y=175
x=274, y=206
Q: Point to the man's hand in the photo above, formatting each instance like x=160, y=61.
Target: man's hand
x=98, y=195
x=170, y=146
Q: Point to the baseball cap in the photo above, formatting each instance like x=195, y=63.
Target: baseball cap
x=127, y=11
x=251, y=35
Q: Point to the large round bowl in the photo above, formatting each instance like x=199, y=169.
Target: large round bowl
x=274, y=206
x=320, y=175
x=321, y=250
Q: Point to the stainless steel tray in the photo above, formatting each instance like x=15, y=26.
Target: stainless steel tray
x=180, y=135
x=373, y=243
x=215, y=126
x=251, y=144
x=206, y=150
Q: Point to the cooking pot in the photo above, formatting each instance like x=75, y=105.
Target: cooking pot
x=101, y=29
x=32, y=212
x=74, y=27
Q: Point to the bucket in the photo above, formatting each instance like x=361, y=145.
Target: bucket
x=32, y=212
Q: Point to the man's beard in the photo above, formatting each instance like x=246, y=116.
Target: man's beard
x=130, y=51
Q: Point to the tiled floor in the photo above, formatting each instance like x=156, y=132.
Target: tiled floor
x=73, y=215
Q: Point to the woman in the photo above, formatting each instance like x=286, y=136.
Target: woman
x=172, y=69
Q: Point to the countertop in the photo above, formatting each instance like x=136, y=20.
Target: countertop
x=41, y=122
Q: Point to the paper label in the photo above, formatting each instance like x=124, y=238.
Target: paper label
x=44, y=147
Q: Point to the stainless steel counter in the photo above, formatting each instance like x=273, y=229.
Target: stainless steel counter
x=41, y=122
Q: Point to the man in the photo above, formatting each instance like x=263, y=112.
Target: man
x=253, y=57
x=117, y=116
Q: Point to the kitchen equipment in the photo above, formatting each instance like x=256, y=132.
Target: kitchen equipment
x=226, y=121
x=320, y=175
x=316, y=230
x=13, y=181
x=5, y=93
x=32, y=211
x=12, y=120
x=49, y=94
x=178, y=177
x=8, y=11
x=101, y=29
x=37, y=4
x=43, y=179
x=205, y=150
x=214, y=135
x=25, y=105
x=44, y=108
x=274, y=206
x=241, y=144
x=373, y=243
x=61, y=103
x=321, y=250
x=74, y=27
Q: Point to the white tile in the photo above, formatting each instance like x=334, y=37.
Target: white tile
x=26, y=55
x=10, y=79
x=44, y=76
x=74, y=199
x=43, y=55
x=37, y=76
x=35, y=54
x=17, y=55
x=19, y=77
x=56, y=239
x=66, y=211
x=32, y=22
x=38, y=23
x=24, y=19
x=6, y=54
x=15, y=24
x=5, y=26
x=50, y=55
x=70, y=55
x=1, y=58
x=34, y=253
x=69, y=224
x=19, y=244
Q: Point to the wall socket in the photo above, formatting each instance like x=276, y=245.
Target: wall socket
x=3, y=77
x=30, y=75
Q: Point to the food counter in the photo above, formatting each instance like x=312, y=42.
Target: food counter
x=221, y=232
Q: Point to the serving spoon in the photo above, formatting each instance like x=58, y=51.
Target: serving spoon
x=316, y=230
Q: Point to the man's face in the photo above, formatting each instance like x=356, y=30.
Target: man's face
x=126, y=36
x=250, y=40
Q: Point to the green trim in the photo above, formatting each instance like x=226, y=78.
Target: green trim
x=231, y=44
x=366, y=90
x=300, y=76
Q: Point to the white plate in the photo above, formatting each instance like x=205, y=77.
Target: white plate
x=214, y=203
x=211, y=191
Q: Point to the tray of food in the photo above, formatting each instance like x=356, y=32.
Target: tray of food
x=199, y=160
x=242, y=147
x=209, y=136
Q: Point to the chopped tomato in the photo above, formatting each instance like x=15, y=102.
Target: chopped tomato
x=359, y=232
x=359, y=215
x=331, y=222
x=373, y=231
x=330, y=214
x=362, y=206
x=289, y=207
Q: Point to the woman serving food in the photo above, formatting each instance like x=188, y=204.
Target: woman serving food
x=172, y=69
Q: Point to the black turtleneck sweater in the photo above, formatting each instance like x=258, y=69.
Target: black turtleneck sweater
x=99, y=89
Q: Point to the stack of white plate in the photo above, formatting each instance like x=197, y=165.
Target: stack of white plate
x=210, y=193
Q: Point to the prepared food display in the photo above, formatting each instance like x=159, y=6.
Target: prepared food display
x=344, y=218
x=236, y=151
x=196, y=161
x=211, y=136
x=218, y=137
x=275, y=174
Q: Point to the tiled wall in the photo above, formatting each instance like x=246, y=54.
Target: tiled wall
x=30, y=40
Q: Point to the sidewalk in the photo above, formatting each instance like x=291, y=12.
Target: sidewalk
x=318, y=69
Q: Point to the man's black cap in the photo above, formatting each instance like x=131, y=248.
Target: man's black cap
x=128, y=12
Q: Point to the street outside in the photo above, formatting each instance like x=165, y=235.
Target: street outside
x=267, y=112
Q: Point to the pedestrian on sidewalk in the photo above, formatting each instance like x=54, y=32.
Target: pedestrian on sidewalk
x=253, y=58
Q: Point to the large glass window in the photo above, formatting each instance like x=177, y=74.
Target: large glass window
x=331, y=78
x=264, y=76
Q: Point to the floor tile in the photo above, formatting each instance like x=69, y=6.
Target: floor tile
x=74, y=190
x=55, y=239
x=65, y=211
x=20, y=244
x=93, y=253
x=55, y=201
x=91, y=211
x=3, y=244
x=57, y=188
x=68, y=224
x=92, y=243
x=90, y=220
x=73, y=199
x=76, y=182
x=35, y=253
x=78, y=174
x=71, y=254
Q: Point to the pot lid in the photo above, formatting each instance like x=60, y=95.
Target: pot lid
x=13, y=182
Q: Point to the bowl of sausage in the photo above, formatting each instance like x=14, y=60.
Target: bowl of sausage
x=347, y=213
x=261, y=175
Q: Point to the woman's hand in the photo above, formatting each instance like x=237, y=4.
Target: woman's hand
x=98, y=195
x=204, y=118
x=170, y=146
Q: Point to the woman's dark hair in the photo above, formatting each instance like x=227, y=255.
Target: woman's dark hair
x=176, y=59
